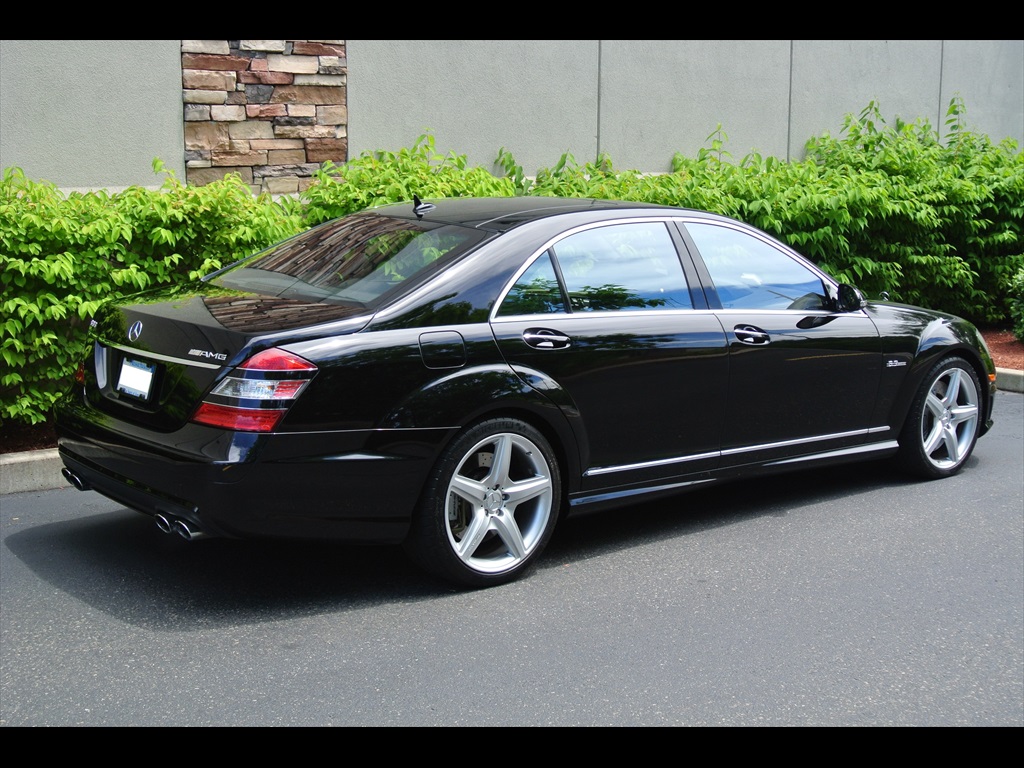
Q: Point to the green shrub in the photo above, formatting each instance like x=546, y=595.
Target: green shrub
x=1016, y=293
x=944, y=227
x=61, y=256
x=377, y=178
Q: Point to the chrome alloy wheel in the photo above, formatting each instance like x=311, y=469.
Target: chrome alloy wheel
x=949, y=421
x=499, y=502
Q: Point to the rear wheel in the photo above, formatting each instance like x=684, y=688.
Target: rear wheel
x=490, y=506
x=942, y=426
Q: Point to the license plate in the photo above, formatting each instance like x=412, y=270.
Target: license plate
x=136, y=379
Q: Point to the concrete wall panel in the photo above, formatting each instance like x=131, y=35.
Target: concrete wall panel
x=660, y=97
x=535, y=98
x=834, y=78
x=87, y=114
x=989, y=76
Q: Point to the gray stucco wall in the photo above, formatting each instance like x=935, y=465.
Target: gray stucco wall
x=660, y=97
x=641, y=101
x=94, y=114
x=89, y=114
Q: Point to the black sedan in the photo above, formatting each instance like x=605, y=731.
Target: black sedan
x=457, y=375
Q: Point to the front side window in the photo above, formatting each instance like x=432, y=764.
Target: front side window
x=750, y=273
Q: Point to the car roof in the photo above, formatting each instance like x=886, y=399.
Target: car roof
x=500, y=214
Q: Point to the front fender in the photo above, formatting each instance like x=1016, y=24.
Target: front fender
x=941, y=337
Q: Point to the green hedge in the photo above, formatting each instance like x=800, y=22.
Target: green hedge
x=60, y=256
x=893, y=209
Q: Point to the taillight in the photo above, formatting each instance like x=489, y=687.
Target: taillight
x=258, y=393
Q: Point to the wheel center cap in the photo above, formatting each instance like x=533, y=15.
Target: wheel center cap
x=493, y=501
x=947, y=417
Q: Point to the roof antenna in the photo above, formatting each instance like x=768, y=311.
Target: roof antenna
x=419, y=207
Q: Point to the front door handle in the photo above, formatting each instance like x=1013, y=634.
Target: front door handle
x=749, y=334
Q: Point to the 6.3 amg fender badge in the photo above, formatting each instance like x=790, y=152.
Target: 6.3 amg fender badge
x=135, y=330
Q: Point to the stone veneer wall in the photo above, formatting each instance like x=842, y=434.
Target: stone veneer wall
x=269, y=110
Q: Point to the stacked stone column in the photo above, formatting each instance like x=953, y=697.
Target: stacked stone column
x=269, y=110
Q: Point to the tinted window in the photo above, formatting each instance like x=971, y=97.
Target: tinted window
x=622, y=267
x=749, y=273
x=536, y=291
x=353, y=259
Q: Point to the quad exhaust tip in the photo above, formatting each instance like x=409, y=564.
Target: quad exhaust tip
x=188, y=531
x=183, y=528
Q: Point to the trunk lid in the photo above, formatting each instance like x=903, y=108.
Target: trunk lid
x=156, y=355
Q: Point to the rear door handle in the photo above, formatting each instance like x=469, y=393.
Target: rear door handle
x=545, y=338
x=749, y=334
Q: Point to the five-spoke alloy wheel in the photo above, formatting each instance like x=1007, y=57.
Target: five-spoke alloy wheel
x=942, y=426
x=491, y=505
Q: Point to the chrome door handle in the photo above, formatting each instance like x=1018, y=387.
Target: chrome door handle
x=748, y=334
x=544, y=338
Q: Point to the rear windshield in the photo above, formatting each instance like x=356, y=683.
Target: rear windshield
x=357, y=258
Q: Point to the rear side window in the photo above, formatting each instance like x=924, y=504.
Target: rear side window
x=622, y=267
x=750, y=273
x=618, y=267
x=536, y=292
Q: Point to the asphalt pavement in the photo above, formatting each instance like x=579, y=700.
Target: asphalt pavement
x=838, y=597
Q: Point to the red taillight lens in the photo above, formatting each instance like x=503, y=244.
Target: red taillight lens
x=258, y=393
x=238, y=419
x=277, y=360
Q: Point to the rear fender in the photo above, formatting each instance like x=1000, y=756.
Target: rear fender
x=468, y=395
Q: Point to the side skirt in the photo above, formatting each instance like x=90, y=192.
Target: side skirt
x=640, y=493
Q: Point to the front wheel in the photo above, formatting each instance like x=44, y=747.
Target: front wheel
x=490, y=505
x=942, y=426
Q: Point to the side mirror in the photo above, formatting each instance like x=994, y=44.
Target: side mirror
x=850, y=299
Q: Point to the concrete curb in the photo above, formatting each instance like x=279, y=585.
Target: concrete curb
x=31, y=471
x=1009, y=380
x=40, y=470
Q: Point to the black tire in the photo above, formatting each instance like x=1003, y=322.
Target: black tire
x=942, y=426
x=489, y=507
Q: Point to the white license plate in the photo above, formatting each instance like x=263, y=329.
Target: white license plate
x=136, y=378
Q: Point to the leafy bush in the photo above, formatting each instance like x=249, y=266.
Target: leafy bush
x=944, y=228
x=377, y=178
x=61, y=256
x=1017, y=304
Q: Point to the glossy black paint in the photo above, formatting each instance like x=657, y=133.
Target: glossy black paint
x=635, y=403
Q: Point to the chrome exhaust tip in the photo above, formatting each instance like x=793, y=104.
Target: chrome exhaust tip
x=75, y=480
x=187, y=531
x=163, y=524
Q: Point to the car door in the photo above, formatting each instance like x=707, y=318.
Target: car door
x=605, y=322
x=803, y=375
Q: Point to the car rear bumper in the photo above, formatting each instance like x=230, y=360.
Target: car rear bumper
x=364, y=490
